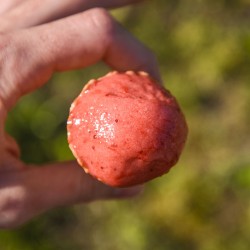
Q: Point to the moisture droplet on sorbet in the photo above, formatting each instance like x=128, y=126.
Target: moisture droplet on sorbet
x=125, y=129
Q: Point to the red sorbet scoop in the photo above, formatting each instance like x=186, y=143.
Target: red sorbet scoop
x=125, y=129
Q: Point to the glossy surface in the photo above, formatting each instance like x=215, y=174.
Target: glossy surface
x=124, y=129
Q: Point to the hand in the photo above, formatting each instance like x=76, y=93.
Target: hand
x=17, y=14
x=28, y=58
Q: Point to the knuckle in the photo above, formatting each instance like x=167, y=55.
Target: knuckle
x=9, y=63
x=100, y=17
x=11, y=205
x=101, y=21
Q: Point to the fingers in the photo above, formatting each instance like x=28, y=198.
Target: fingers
x=8, y=5
x=11, y=146
x=3, y=114
x=34, y=12
x=67, y=184
x=76, y=42
x=26, y=194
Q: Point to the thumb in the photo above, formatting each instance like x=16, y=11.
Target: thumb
x=89, y=189
x=63, y=184
x=35, y=190
x=95, y=190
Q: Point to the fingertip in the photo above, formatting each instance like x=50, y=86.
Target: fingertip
x=127, y=192
x=101, y=191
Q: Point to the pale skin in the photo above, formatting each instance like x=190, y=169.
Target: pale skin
x=29, y=54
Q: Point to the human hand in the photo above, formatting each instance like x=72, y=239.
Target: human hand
x=17, y=14
x=28, y=58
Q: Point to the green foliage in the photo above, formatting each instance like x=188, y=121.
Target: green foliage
x=203, y=48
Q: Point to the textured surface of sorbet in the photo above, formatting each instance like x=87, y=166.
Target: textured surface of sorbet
x=125, y=129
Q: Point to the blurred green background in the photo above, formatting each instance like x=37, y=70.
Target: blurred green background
x=203, y=49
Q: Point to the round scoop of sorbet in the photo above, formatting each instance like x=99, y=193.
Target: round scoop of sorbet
x=125, y=129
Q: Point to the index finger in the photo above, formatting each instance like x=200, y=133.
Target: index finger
x=8, y=5
x=32, y=12
x=75, y=42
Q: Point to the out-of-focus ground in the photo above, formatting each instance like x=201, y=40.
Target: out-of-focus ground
x=203, y=49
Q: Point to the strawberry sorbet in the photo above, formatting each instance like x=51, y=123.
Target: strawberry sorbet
x=125, y=129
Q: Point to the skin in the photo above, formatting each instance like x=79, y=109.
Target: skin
x=29, y=54
x=27, y=13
